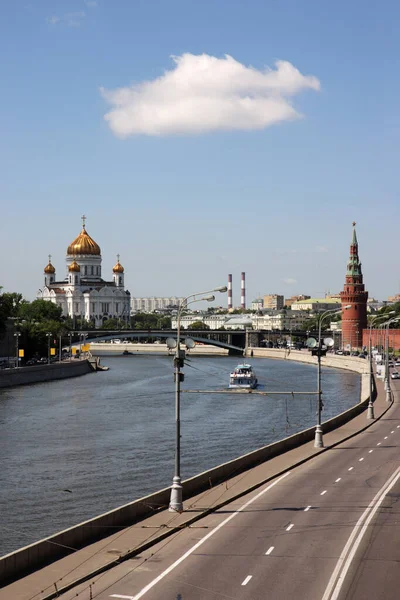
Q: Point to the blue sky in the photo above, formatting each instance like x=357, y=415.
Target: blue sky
x=182, y=206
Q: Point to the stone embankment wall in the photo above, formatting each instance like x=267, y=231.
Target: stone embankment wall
x=16, y=564
x=41, y=373
x=336, y=361
x=106, y=349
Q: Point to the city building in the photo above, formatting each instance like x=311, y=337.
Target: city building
x=257, y=304
x=393, y=299
x=287, y=320
x=82, y=293
x=274, y=301
x=354, y=319
x=316, y=304
x=289, y=301
x=153, y=304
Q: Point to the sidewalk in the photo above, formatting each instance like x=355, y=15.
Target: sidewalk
x=95, y=558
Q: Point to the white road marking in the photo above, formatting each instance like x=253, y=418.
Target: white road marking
x=398, y=426
x=338, y=479
x=370, y=451
x=205, y=538
x=360, y=459
x=386, y=437
x=270, y=549
x=392, y=432
x=324, y=492
x=351, y=468
x=246, y=581
x=119, y=596
x=307, y=508
x=290, y=527
x=338, y=576
x=379, y=443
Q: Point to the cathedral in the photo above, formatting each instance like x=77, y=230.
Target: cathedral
x=83, y=293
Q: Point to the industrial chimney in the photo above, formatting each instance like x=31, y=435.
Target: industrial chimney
x=243, y=291
x=230, y=305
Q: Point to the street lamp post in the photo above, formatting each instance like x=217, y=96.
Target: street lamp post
x=70, y=346
x=48, y=335
x=370, y=414
x=387, y=378
x=318, y=441
x=17, y=335
x=176, y=503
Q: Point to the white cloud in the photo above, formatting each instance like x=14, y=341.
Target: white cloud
x=74, y=19
x=204, y=93
x=289, y=280
x=53, y=20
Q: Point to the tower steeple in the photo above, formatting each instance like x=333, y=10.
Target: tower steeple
x=354, y=319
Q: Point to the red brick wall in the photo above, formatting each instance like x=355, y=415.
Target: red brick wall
x=378, y=337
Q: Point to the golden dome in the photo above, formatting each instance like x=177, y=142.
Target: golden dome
x=74, y=267
x=118, y=268
x=49, y=269
x=83, y=244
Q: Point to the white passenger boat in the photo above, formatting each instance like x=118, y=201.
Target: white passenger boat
x=243, y=376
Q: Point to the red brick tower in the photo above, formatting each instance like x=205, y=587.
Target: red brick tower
x=354, y=319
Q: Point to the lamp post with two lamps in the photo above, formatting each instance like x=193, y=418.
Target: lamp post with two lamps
x=176, y=503
x=318, y=350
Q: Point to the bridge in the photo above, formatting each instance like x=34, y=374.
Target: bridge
x=233, y=340
x=211, y=338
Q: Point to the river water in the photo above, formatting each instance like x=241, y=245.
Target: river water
x=72, y=449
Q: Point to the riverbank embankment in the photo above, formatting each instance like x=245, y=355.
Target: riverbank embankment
x=110, y=349
x=42, y=373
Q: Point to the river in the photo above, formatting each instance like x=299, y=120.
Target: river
x=75, y=448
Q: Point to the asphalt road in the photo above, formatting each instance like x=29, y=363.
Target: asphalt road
x=329, y=529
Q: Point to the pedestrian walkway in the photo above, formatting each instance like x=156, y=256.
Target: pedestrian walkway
x=95, y=558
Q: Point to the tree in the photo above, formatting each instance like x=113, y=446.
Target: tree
x=9, y=307
x=39, y=310
x=198, y=326
x=111, y=324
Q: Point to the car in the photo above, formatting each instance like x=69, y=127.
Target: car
x=395, y=375
x=397, y=363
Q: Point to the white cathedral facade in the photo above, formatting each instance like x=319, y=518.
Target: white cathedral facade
x=83, y=293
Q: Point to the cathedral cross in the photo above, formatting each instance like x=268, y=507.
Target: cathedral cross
x=83, y=221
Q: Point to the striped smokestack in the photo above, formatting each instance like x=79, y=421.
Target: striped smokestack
x=243, y=291
x=230, y=305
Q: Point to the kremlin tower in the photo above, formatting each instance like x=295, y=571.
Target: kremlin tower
x=354, y=319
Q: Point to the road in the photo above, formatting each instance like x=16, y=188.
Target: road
x=326, y=530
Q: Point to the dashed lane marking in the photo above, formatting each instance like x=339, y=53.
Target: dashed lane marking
x=270, y=549
x=338, y=479
x=379, y=443
x=307, y=508
x=360, y=459
x=160, y=577
x=246, y=581
x=290, y=527
x=350, y=468
x=324, y=492
x=370, y=451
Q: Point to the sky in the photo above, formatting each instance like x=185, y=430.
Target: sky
x=201, y=139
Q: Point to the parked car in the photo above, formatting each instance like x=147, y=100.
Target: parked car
x=395, y=375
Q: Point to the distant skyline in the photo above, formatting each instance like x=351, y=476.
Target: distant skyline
x=201, y=140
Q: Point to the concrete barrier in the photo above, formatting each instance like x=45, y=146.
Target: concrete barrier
x=39, y=554
x=41, y=373
x=108, y=349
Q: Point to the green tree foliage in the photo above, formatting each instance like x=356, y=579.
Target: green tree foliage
x=198, y=326
x=9, y=307
x=111, y=324
x=40, y=310
x=150, y=321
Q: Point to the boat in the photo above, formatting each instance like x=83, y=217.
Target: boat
x=243, y=377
